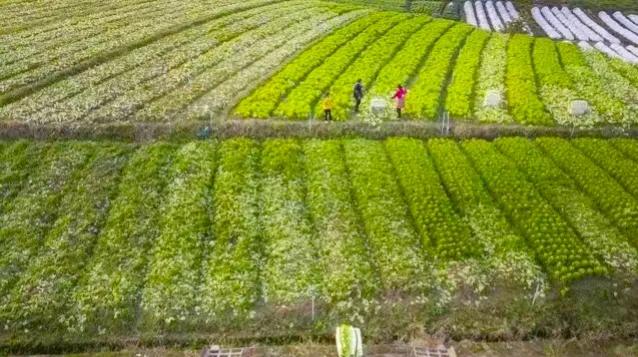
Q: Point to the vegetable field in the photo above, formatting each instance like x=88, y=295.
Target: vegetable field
x=130, y=61
x=108, y=239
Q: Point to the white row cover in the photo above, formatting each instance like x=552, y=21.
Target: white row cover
x=618, y=28
x=563, y=23
x=490, y=15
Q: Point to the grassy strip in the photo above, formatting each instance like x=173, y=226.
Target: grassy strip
x=107, y=296
x=508, y=258
x=171, y=297
x=459, y=93
x=232, y=270
x=612, y=199
x=393, y=241
x=40, y=298
x=350, y=279
x=290, y=271
x=368, y=64
x=522, y=94
x=561, y=252
x=27, y=219
x=300, y=101
x=425, y=95
x=491, y=77
x=576, y=208
x=433, y=213
x=261, y=102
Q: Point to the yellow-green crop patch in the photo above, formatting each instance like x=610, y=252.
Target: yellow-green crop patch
x=114, y=240
x=131, y=61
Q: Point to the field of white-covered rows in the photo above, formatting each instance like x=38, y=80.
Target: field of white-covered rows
x=167, y=61
x=108, y=239
x=616, y=35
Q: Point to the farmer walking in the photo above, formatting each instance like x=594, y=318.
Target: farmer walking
x=327, y=105
x=358, y=95
x=399, y=97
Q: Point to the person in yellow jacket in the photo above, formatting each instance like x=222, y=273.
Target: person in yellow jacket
x=327, y=103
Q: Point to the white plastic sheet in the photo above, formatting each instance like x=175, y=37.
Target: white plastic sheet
x=626, y=55
x=481, y=17
x=594, y=26
x=502, y=11
x=564, y=31
x=540, y=20
x=625, y=22
x=591, y=34
x=497, y=24
x=574, y=28
x=470, y=17
x=618, y=28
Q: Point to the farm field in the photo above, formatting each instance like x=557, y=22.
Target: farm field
x=130, y=61
x=166, y=179
x=292, y=236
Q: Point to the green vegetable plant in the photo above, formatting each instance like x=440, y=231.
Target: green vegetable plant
x=261, y=102
x=368, y=64
x=609, y=195
x=433, y=213
x=299, y=103
x=107, y=295
x=232, y=268
x=491, y=77
x=522, y=93
x=459, y=99
x=579, y=210
x=406, y=62
x=556, y=245
x=171, y=296
x=425, y=94
x=39, y=298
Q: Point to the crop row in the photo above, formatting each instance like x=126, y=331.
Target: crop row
x=120, y=97
x=368, y=64
x=522, y=93
x=578, y=209
x=555, y=244
x=406, y=62
x=206, y=235
x=75, y=95
x=491, y=78
x=263, y=101
x=299, y=102
x=459, y=93
x=425, y=95
x=30, y=71
x=556, y=87
x=591, y=87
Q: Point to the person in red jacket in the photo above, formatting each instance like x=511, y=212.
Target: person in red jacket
x=399, y=97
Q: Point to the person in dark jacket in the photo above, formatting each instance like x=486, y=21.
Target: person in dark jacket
x=358, y=94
